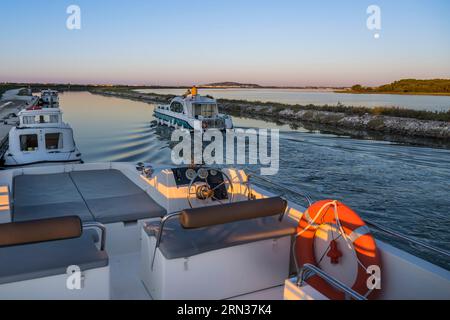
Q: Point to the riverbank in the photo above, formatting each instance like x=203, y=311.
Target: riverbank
x=444, y=94
x=386, y=121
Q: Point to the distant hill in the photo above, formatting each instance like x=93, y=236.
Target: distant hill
x=408, y=86
x=230, y=84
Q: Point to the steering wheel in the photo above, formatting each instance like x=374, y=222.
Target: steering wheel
x=202, y=190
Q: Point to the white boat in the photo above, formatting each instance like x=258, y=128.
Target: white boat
x=193, y=112
x=40, y=136
x=50, y=97
x=127, y=231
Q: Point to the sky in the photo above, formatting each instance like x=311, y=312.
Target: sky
x=174, y=42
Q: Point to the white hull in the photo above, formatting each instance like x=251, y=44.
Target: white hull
x=177, y=121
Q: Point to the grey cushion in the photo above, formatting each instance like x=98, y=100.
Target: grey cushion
x=47, y=196
x=31, y=190
x=106, y=196
x=126, y=208
x=52, y=210
x=180, y=243
x=112, y=197
x=97, y=184
x=46, y=259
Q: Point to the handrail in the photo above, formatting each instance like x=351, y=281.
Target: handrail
x=160, y=232
x=368, y=222
x=304, y=194
x=102, y=228
x=402, y=236
x=308, y=270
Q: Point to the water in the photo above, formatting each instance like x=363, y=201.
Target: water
x=403, y=187
x=305, y=97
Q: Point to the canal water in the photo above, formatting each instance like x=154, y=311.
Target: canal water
x=404, y=187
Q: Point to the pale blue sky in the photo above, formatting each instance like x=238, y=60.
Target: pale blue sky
x=192, y=42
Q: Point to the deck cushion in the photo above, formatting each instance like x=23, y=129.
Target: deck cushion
x=125, y=208
x=106, y=196
x=97, y=184
x=112, y=197
x=47, y=196
x=178, y=242
x=25, y=262
x=52, y=210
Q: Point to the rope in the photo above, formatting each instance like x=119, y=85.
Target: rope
x=339, y=225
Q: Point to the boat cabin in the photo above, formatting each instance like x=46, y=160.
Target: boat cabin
x=38, y=117
x=41, y=136
x=49, y=96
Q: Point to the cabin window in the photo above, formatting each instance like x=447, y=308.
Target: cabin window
x=28, y=142
x=205, y=110
x=40, y=119
x=176, y=107
x=53, y=141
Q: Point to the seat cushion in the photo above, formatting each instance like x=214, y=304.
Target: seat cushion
x=112, y=197
x=33, y=190
x=97, y=184
x=46, y=259
x=52, y=210
x=106, y=196
x=47, y=196
x=178, y=242
x=125, y=208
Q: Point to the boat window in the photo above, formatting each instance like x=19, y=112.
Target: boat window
x=28, y=142
x=176, y=107
x=205, y=109
x=53, y=141
x=39, y=119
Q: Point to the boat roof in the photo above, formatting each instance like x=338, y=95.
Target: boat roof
x=195, y=99
x=41, y=111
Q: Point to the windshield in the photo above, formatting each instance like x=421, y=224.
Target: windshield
x=205, y=109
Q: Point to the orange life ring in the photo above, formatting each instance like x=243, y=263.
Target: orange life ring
x=356, y=231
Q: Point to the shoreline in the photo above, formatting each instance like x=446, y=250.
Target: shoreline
x=415, y=131
x=435, y=94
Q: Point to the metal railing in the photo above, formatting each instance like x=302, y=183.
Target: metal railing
x=160, y=232
x=406, y=238
x=301, y=194
x=309, y=270
x=98, y=226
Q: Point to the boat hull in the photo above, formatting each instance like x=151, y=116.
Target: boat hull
x=182, y=121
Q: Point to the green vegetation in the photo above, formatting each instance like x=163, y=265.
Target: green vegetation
x=349, y=110
x=407, y=86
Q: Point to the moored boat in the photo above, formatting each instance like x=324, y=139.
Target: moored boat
x=49, y=97
x=40, y=136
x=194, y=112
